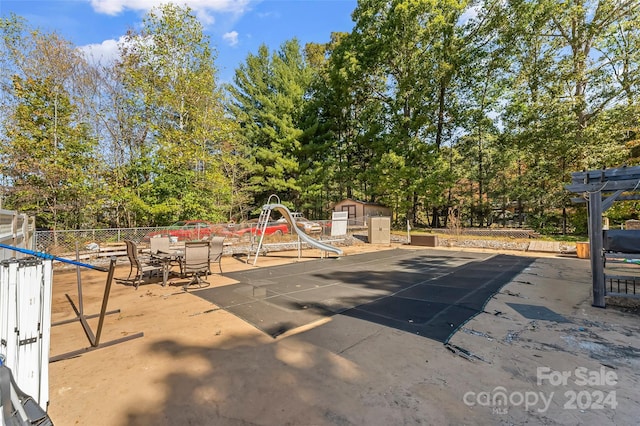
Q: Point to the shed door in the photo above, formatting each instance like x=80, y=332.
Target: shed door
x=351, y=208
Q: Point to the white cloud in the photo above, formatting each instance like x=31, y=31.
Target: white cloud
x=103, y=53
x=267, y=15
x=231, y=38
x=471, y=14
x=203, y=8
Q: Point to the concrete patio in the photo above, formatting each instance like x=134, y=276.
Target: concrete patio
x=200, y=364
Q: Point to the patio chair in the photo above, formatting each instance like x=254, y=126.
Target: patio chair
x=159, y=244
x=142, y=266
x=163, y=245
x=217, y=245
x=197, y=259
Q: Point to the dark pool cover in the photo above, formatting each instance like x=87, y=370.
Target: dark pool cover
x=429, y=293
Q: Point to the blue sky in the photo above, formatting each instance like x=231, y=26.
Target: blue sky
x=235, y=27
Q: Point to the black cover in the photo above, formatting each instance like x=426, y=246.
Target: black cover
x=623, y=241
x=427, y=293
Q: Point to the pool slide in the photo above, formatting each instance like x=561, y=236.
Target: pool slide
x=284, y=211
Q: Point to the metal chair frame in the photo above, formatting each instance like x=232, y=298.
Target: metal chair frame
x=197, y=261
x=217, y=248
x=142, y=266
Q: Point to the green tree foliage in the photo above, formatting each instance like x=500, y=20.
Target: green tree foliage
x=46, y=156
x=268, y=99
x=346, y=118
x=47, y=152
x=414, y=51
x=571, y=71
x=478, y=66
x=177, y=120
x=449, y=109
x=341, y=134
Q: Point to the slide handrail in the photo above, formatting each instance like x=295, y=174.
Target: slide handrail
x=286, y=213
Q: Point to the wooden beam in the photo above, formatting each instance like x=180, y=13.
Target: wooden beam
x=581, y=200
x=620, y=173
x=610, y=185
x=608, y=202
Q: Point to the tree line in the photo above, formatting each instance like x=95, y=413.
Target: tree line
x=452, y=113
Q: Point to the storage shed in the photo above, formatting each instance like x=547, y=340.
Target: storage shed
x=360, y=211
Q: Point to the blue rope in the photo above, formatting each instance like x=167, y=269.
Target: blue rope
x=48, y=256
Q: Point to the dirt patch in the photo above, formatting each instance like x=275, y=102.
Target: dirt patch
x=629, y=305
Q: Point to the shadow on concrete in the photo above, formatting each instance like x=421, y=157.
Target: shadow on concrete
x=428, y=293
x=285, y=382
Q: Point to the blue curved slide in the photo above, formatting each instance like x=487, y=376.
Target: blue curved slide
x=284, y=211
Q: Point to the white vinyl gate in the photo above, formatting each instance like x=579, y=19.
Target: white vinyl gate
x=25, y=323
x=16, y=229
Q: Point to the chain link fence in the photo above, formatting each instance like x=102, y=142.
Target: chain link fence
x=63, y=243
x=490, y=232
x=240, y=237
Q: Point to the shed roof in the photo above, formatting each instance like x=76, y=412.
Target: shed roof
x=368, y=203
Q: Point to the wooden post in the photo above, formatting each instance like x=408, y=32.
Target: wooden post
x=595, y=246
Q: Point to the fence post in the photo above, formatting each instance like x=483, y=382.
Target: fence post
x=32, y=237
x=25, y=230
x=14, y=228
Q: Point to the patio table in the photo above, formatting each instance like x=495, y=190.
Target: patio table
x=166, y=259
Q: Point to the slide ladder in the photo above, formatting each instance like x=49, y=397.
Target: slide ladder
x=261, y=227
x=302, y=236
